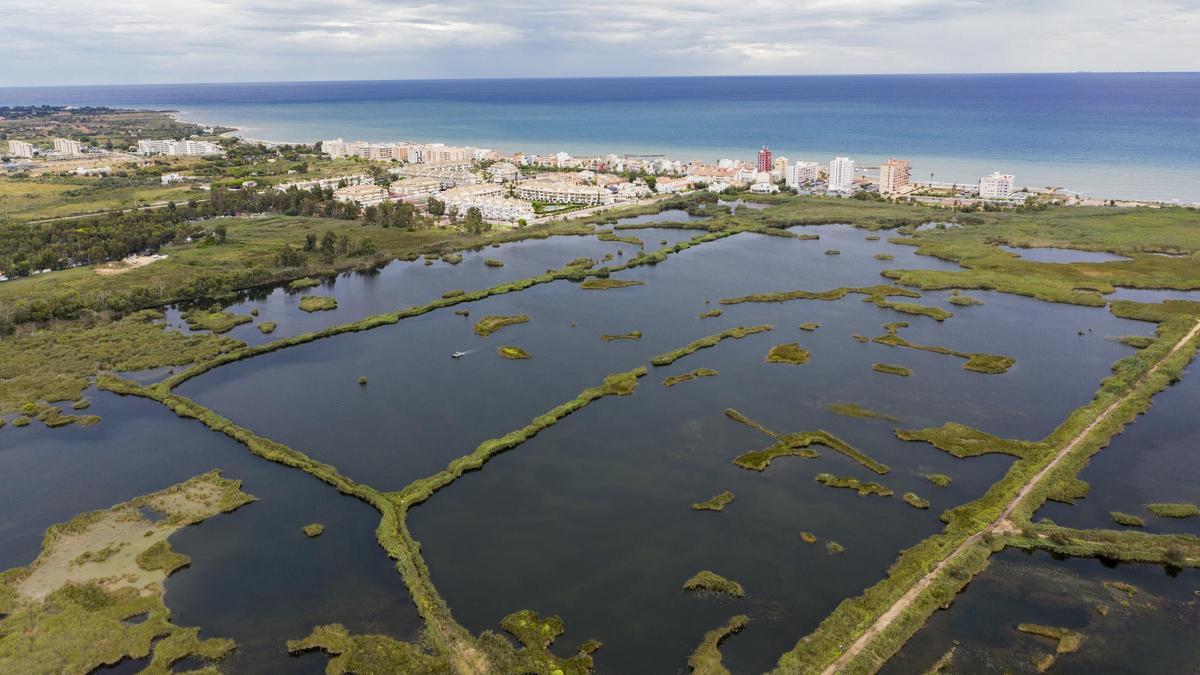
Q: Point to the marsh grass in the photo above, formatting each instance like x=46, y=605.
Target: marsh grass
x=716, y=503
x=849, y=483
x=709, y=581
x=304, y=282
x=711, y=314
x=940, y=480
x=855, y=410
x=317, y=303
x=513, y=352
x=632, y=335
x=606, y=284
x=214, y=321
x=916, y=501
x=492, y=262
x=494, y=322
x=738, y=333
x=266, y=327
x=686, y=377
x=313, y=530
x=1174, y=510
x=891, y=369
x=790, y=353
x=706, y=659
x=1126, y=519
x=810, y=327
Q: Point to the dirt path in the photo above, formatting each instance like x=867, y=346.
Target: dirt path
x=1001, y=524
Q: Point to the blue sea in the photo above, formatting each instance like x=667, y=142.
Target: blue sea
x=1123, y=135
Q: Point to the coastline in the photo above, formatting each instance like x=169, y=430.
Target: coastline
x=958, y=168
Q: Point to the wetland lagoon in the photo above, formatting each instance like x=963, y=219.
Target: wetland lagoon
x=591, y=518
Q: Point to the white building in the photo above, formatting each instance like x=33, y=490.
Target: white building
x=20, y=149
x=802, y=173
x=168, y=178
x=184, y=148
x=502, y=172
x=764, y=188
x=412, y=188
x=93, y=170
x=841, y=174
x=363, y=195
x=66, y=146
x=562, y=192
x=328, y=183
x=491, y=201
x=996, y=186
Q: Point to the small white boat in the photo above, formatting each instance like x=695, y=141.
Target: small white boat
x=458, y=355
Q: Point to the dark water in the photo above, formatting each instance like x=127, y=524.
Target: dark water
x=254, y=577
x=1153, y=631
x=1150, y=462
x=1108, y=134
x=1062, y=255
x=590, y=519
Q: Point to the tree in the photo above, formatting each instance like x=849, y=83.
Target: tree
x=436, y=207
x=310, y=242
x=651, y=182
x=289, y=257
x=328, y=244
x=473, y=222
x=220, y=231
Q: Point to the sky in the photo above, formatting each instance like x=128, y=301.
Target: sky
x=56, y=42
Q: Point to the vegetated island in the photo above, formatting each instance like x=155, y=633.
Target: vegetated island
x=706, y=580
x=631, y=335
x=687, y=377
x=314, y=530
x=317, y=303
x=981, y=363
x=855, y=410
x=706, y=659
x=863, y=488
x=716, y=503
x=606, y=284
x=94, y=596
x=790, y=353
x=513, y=352
x=493, y=322
x=738, y=333
x=891, y=369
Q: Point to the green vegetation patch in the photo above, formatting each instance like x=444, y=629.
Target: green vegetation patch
x=884, y=256
x=513, y=352
x=160, y=556
x=214, y=321
x=1126, y=519
x=266, y=327
x=810, y=326
x=709, y=341
x=313, y=530
x=834, y=548
x=1174, y=510
x=1068, y=640
x=964, y=300
x=492, y=262
x=493, y=322
x=304, y=282
x=706, y=580
x=56, y=364
x=606, y=284
x=855, y=410
x=962, y=441
x=318, y=303
x=891, y=369
x=716, y=503
x=940, y=480
x=790, y=353
x=706, y=659
x=712, y=313
x=686, y=377
x=796, y=445
x=632, y=335
x=453, y=293
x=849, y=483
x=1136, y=341
x=916, y=501
x=808, y=537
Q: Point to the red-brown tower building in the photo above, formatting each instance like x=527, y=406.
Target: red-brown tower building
x=764, y=160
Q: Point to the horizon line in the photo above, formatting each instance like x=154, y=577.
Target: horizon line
x=606, y=77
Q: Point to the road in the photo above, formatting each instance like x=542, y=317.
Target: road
x=1002, y=524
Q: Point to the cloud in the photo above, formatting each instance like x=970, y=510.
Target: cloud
x=83, y=41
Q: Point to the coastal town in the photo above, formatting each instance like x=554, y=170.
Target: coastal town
x=515, y=189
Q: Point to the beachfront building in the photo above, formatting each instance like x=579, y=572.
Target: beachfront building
x=416, y=188
x=780, y=170
x=328, y=183
x=183, y=148
x=20, y=149
x=668, y=186
x=68, y=147
x=764, y=188
x=841, y=175
x=451, y=174
x=563, y=192
x=764, y=160
x=996, y=186
x=363, y=195
x=802, y=173
x=894, y=177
